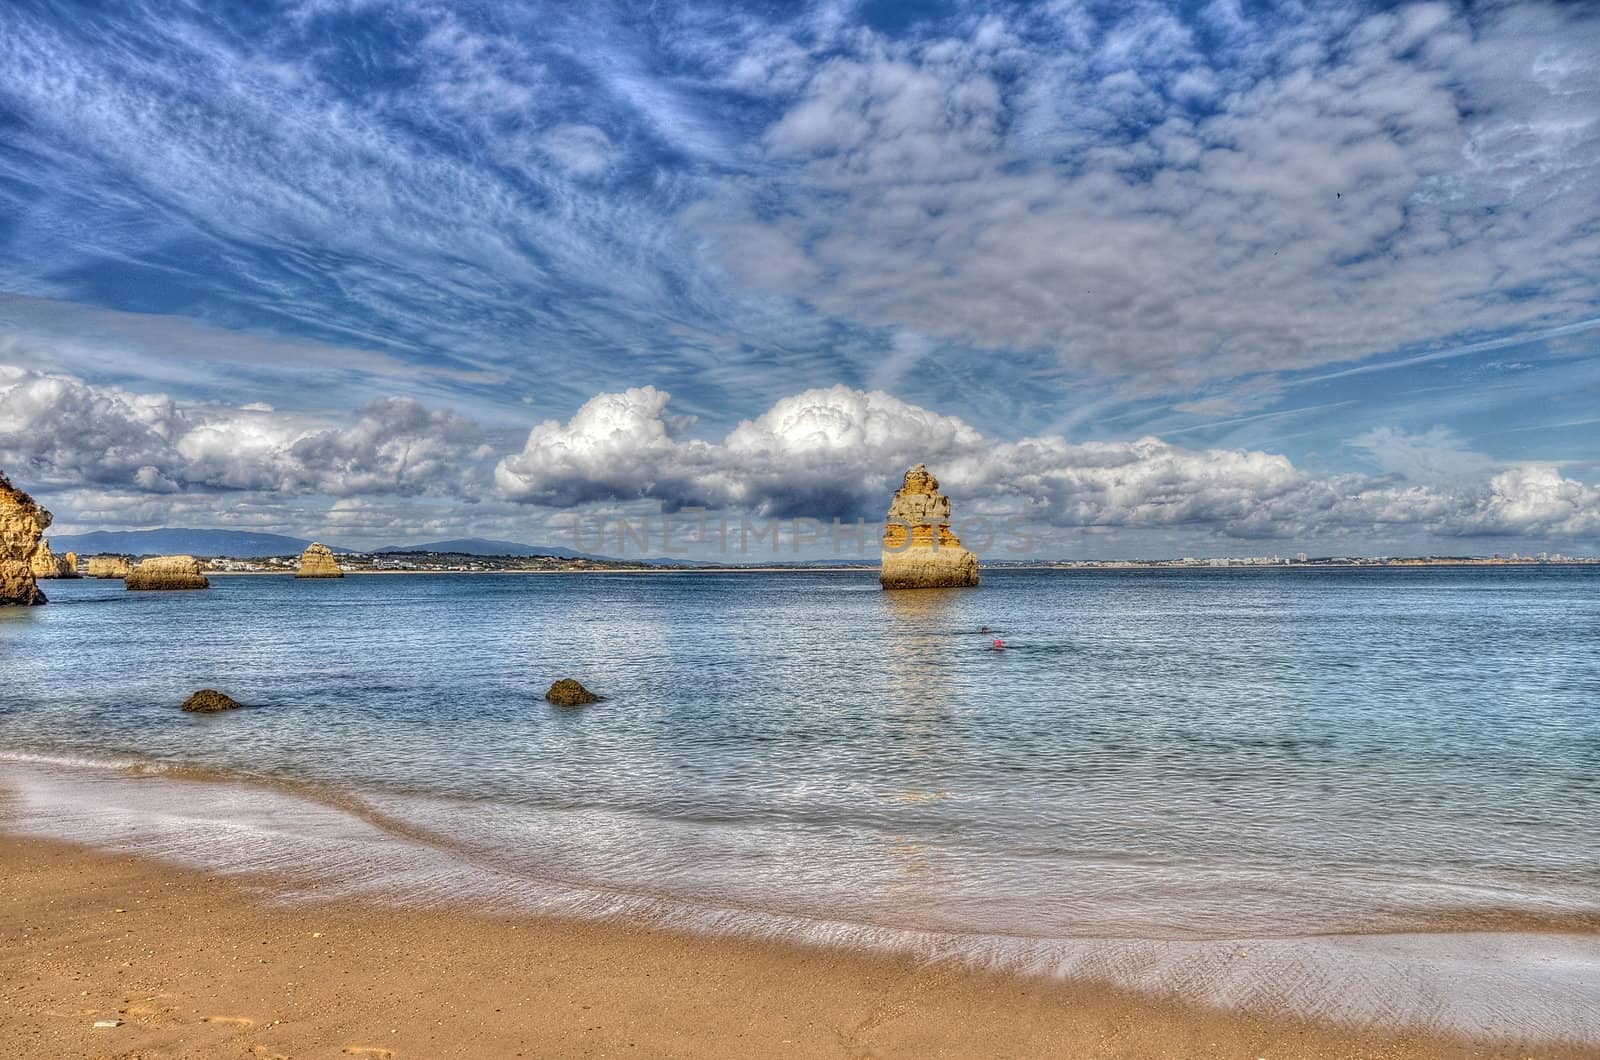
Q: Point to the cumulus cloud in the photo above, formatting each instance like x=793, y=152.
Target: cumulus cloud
x=822, y=450
x=838, y=452
x=63, y=430
x=823, y=453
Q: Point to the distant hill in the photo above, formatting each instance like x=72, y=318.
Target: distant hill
x=482, y=546
x=174, y=541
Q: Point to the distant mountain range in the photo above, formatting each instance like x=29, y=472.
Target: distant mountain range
x=240, y=544
x=483, y=546
x=169, y=541
x=245, y=545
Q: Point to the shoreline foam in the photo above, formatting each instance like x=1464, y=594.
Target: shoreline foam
x=1474, y=982
x=186, y=964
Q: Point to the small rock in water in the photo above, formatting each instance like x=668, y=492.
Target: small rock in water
x=569, y=693
x=209, y=701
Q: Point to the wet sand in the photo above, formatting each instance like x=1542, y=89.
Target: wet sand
x=202, y=966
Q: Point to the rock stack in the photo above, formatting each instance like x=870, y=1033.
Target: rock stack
x=70, y=562
x=109, y=567
x=317, y=562
x=919, y=551
x=46, y=564
x=167, y=572
x=22, y=524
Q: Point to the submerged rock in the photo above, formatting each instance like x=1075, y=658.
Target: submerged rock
x=109, y=567
x=209, y=701
x=569, y=693
x=167, y=572
x=919, y=550
x=22, y=525
x=317, y=562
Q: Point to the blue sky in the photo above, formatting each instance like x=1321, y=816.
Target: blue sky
x=1190, y=278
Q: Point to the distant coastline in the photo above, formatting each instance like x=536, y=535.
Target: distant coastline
x=517, y=565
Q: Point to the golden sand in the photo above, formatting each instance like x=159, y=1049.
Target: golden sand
x=188, y=965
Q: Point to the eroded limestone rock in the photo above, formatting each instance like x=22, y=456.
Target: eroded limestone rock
x=109, y=567
x=919, y=549
x=317, y=562
x=167, y=572
x=46, y=564
x=569, y=693
x=209, y=701
x=22, y=525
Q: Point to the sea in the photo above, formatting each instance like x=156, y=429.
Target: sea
x=1358, y=794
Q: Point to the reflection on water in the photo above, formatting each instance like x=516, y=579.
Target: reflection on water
x=919, y=626
x=1185, y=755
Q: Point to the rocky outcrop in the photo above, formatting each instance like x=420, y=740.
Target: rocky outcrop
x=22, y=524
x=569, y=693
x=70, y=562
x=209, y=701
x=109, y=567
x=46, y=564
x=167, y=572
x=919, y=551
x=317, y=562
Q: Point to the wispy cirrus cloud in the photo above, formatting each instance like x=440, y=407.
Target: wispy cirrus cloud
x=1061, y=225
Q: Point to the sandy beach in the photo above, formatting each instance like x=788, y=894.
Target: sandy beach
x=190, y=965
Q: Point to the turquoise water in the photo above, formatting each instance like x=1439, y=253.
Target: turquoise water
x=1187, y=757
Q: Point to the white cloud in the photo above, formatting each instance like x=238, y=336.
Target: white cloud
x=1435, y=455
x=580, y=149
x=1360, y=186
x=400, y=469
x=838, y=452
x=62, y=430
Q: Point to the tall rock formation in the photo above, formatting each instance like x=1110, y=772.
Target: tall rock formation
x=167, y=572
x=317, y=562
x=919, y=551
x=46, y=564
x=70, y=562
x=109, y=567
x=22, y=524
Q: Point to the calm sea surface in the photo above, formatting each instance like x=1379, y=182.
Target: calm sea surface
x=1182, y=756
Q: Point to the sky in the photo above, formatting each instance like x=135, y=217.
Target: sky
x=1145, y=279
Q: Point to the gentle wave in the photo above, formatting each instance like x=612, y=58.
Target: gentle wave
x=308, y=843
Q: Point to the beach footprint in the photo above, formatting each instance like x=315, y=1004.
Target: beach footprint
x=235, y=1021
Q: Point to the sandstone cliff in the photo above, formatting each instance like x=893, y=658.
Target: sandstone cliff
x=22, y=524
x=46, y=564
x=70, y=562
x=919, y=550
x=317, y=562
x=167, y=572
x=109, y=567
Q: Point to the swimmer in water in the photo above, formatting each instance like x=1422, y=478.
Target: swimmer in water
x=985, y=629
x=998, y=645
